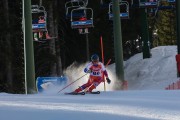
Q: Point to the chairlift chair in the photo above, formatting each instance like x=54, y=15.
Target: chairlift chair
x=38, y=12
x=171, y=5
x=124, y=10
x=171, y=1
x=39, y=24
x=34, y=8
x=82, y=22
x=73, y=4
x=148, y=3
x=76, y=3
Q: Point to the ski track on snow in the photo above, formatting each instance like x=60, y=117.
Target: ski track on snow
x=106, y=109
x=127, y=107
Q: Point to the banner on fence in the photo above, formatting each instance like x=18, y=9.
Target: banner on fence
x=47, y=82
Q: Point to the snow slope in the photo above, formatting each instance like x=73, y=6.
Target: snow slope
x=146, y=98
x=117, y=105
x=153, y=73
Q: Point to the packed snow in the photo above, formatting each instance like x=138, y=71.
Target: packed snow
x=145, y=99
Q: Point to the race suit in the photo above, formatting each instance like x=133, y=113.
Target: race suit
x=96, y=76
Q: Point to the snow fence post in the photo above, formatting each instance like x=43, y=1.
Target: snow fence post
x=125, y=85
x=178, y=64
x=178, y=83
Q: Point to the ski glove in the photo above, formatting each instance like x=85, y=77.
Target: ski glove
x=108, y=80
x=89, y=71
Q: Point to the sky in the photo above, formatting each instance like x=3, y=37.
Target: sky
x=145, y=99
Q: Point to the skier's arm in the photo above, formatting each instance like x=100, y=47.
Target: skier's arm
x=106, y=74
x=104, y=70
x=107, y=78
x=87, y=69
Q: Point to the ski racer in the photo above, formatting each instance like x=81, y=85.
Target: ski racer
x=96, y=69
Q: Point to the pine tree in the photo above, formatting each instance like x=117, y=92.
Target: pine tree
x=165, y=26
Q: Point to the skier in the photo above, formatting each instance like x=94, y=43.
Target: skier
x=96, y=70
x=41, y=19
x=83, y=18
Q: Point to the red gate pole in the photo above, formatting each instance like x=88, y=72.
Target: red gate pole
x=102, y=56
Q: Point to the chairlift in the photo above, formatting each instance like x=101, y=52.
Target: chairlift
x=42, y=36
x=82, y=22
x=39, y=23
x=171, y=5
x=104, y=4
x=124, y=10
x=73, y=4
x=39, y=16
x=148, y=3
x=171, y=1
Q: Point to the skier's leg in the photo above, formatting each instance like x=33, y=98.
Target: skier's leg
x=83, y=86
x=78, y=90
x=93, y=86
x=96, y=82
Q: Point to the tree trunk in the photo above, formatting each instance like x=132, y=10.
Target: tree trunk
x=58, y=50
x=52, y=34
x=8, y=58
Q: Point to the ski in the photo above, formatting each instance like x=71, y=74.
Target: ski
x=74, y=93
x=93, y=92
x=82, y=93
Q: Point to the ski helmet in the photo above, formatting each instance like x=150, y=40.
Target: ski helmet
x=94, y=57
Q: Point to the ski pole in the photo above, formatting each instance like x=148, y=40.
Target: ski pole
x=72, y=83
x=108, y=62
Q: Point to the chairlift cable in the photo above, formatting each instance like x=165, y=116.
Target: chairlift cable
x=40, y=2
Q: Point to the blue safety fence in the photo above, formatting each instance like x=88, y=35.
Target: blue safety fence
x=44, y=82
